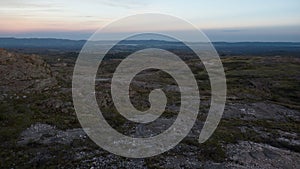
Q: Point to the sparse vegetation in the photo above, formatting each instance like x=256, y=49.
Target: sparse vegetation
x=268, y=80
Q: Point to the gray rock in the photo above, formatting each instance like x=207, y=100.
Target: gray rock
x=252, y=155
x=260, y=110
x=47, y=134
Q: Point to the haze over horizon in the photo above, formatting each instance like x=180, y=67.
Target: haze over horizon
x=231, y=21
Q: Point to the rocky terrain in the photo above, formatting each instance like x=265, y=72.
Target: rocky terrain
x=260, y=126
x=24, y=73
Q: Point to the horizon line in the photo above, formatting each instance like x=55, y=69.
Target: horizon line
x=218, y=41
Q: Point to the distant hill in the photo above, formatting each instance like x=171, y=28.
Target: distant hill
x=48, y=43
x=223, y=48
x=258, y=48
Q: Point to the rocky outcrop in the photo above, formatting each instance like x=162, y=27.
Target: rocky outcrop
x=260, y=111
x=47, y=134
x=20, y=72
x=250, y=155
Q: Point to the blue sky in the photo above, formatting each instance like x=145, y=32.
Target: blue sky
x=221, y=20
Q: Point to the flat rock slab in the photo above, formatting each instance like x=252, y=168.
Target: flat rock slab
x=47, y=134
x=250, y=155
x=260, y=110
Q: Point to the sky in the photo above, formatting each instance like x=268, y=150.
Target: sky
x=221, y=20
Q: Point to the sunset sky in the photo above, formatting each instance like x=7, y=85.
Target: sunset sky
x=221, y=20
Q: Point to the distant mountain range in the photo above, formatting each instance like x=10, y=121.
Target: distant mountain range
x=224, y=48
